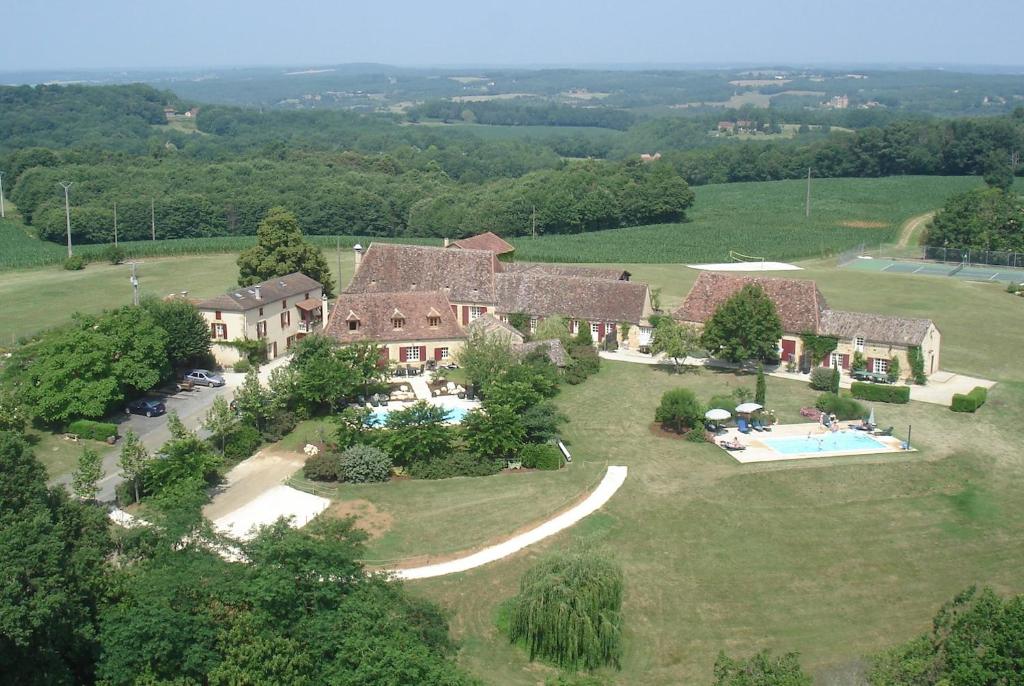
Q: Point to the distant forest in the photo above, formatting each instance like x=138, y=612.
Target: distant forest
x=372, y=174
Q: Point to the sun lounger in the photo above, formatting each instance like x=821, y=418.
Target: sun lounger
x=885, y=432
x=742, y=425
x=732, y=446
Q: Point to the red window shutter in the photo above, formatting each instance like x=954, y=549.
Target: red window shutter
x=213, y=330
x=455, y=310
x=869, y=364
x=827, y=360
x=402, y=353
x=225, y=330
x=383, y=361
x=437, y=354
x=465, y=315
x=423, y=353
x=600, y=331
x=216, y=314
x=483, y=310
x=846, y=361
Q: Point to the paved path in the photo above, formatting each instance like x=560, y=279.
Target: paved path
x=419, y=387
x=613, y=479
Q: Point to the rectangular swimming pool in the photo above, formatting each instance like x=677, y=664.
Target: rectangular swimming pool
x=839, y=442
x=380, y=415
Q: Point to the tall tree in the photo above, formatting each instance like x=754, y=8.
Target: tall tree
x=279, y=250
x=252, y=400
x=676, y=341
x=133, y=460
x=219, y=421
x=188, y=334
x=760, y=670
x=744, y=327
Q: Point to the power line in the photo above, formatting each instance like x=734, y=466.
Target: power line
x=67, y=209
x=3, y=214
x=807, y=205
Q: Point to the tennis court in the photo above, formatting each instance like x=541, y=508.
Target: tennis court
x=957, y=270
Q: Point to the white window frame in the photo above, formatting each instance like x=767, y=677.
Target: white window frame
x=835, y=360
x=412, y=353
x=595, y=328
x=858, y=344
x=220, y=331
x=261, y=329
x=574, y=327
x=475, y=312
x=880, y=365
x=445, y=353
x=533, y=325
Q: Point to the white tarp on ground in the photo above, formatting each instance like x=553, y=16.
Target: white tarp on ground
x=268, y=507
x=746, y=267
x=613, y=479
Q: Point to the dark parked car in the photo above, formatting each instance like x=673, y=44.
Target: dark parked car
x=203, y=377
x=873, y=377
x=150, y=408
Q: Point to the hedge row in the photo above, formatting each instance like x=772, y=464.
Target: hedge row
x=880, y=392
x=97, y=431
x=971, y=401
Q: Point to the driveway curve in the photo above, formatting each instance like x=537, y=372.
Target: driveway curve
x=613, y=479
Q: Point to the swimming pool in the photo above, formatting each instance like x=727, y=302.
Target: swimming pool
x=454, y=415
x=839, y=442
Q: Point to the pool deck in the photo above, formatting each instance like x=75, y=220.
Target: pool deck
x=758, y=451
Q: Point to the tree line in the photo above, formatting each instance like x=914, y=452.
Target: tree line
x=522, y=112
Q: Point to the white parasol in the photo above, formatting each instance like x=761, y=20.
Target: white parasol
x=747, y=408
x=717, y=414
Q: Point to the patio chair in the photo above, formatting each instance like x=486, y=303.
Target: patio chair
x=883, y=432
x=742, y=425
x=759, y=425
x=374, y=402
x=400, y=371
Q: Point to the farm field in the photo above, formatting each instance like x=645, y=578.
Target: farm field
x=835, y=558
x=504, y=132
x=761, y=218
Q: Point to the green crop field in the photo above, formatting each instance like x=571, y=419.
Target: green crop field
x=765, y=219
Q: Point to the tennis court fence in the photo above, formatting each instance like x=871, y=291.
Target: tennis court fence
x=963, y=257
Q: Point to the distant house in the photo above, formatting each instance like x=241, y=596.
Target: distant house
x=802, y=310
x=278, y=311
x=474, y=286
x=746, y=125
x=726, y=126
x=647, y=157
x=838, y=102
x=169, y=113
x=192, y=113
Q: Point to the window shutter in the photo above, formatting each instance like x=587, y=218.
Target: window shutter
x=225, y=329
x=402, y=353
x=870, y=364
x=465, y=315
x=483, y=310
x=437, y=354
x=455, y=310
x=827, y=360
x=423, y=353
x=383, y=361
x=600, y=331
x=846, y=361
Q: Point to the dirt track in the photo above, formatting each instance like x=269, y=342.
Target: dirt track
x=911, y=226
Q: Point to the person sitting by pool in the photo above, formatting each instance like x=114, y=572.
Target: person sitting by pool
x=863, y=426
x=833, y=425
x=732, y=445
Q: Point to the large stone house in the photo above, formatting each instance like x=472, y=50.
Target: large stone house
x=802, y=310
x=277, y=311
x=471, y=283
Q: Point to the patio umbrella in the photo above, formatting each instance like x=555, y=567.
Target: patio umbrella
x=717, y=414
x=871, y=417
x=747, y=408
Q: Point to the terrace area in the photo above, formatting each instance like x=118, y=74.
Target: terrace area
x=804, y=441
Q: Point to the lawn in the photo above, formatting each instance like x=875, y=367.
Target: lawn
x=59, y=455
x=835, y=558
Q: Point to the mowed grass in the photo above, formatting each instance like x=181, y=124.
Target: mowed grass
x=764, y=219
x=836, y=558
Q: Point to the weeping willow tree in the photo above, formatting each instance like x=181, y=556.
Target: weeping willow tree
x=568, y=611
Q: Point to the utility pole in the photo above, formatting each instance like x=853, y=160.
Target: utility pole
x=807, y=206
x=534, y=221
x=338, y=248
x=152, y=219
x=67, y=209
x=135, y=287
x=3, y=214
x=115, y=223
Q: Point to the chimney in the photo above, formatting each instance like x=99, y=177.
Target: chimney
x=446, y=242
x=257, y=289
x=358, y=249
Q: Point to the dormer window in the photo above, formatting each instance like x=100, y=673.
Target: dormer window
x=858, y=342
x=398, y=322
x=353, y=325
x=434, y=322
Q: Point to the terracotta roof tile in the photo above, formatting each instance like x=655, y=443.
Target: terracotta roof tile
x=544, y=295
x=798, y=301
x=484, y=241
x=375, y=312
x=567, y=270
x=243, y=298
x=877, y=328
x=465, y=276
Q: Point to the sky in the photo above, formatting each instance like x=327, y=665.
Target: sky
x=143, y=34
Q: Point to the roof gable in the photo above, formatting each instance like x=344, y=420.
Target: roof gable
x=375, y=314
x=877, y=328
x=489, y=241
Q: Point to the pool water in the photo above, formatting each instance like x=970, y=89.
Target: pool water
x=841, y=441
x=454, y=415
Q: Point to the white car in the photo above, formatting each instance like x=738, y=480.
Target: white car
x=204, y=377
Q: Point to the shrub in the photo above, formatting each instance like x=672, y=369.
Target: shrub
x=124, y=493
x=279, y=425
x=722, y=401
x=880, y=392
x=242, y=442
x=74, y=263
x=859, y=362
x=679, y=410
x=541, y=456
x=760, y=390
x=696, y=435
x=454, y=464
x=242, y=366
x=916, y=358
x=841, y=406
x=363, y=463
x=97, y=431
x=969, y=402
x=321, y=467
x=114, y=254
x=893, y=374
x=833, y=383
x=821, y=378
